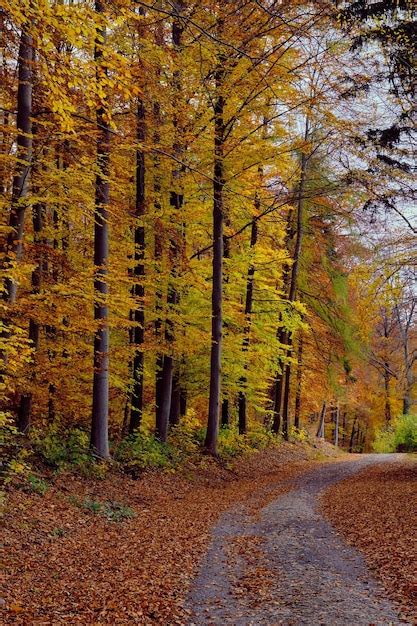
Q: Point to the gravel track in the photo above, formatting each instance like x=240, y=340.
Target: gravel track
x=288, y=565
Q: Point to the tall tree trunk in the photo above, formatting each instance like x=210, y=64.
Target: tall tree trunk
x=344, y=423
x=14, y=242
x=158, y=234
x=176, y=202
x=320, y=430
x=25, y=407
x=138, y=314
x=294, y=280
x=278, y=385
x=242, y=408
x=175, y=409
x=217, y=289
x=352, y=434
x=387, y=381
x=99, y=423
x=299, y=382
x=336, y=425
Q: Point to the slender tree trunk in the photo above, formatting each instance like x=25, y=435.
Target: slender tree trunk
x=336, y=425
x=217, y=289
x=278, y=389
x=175, y=410
x=176, y=202
x=344, y=419
x=225, y=412
x=99, y=423
x=299, y=383
x=138, y=314
x=25, y=407
x=320, y=430
x=14, y=242
x=352, y=434
x=387, y=394
x=294, y=280
x=159, y=236
x=278, y=386
x=248, y=318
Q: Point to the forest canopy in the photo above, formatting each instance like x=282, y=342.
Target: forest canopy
x=208, y=224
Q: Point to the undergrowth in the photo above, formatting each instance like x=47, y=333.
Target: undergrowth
x=399, y=436
x=55, y=449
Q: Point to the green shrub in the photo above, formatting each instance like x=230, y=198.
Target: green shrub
x=231, y=444
x=298, y=434
x=37, y=485
x=143, y=450
x=187, y=436
x=59, y=447
x=400, y=436
x=406, y=434
x=384, y=440
x=111, y=510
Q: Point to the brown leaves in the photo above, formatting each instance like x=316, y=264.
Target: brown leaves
x=376, y=510
x=66, y=565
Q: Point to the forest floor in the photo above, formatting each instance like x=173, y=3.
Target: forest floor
x=288, y=565
x=75, y=556
x=385, y=530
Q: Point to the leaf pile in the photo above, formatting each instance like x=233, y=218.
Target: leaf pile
x=67, y=565
x=376, y=511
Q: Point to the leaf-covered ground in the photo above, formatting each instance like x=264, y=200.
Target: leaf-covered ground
x=69, y=561
x=376, y=511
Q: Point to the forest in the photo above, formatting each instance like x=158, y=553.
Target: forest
x=207, y=235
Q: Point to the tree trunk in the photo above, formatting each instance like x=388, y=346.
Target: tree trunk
x=294, y=280
x=344, y=418
x=352, y=434
x=320, y=430
x=248, y=318
x=99, y=423
x=175, y=409
x=176, y=202
x=225, y=412
x=278, y=389
x=159, y=235
x=387, y=378
x=14, y=242
x=336, y=425
x=25, y=407
x=138, y=314
x=299, y=383
x=217, y=289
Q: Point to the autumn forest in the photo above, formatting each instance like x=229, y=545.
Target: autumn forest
x=208, y=233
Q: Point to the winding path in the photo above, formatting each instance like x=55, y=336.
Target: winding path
x=288, y=565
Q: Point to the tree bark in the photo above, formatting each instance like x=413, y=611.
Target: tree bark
x=299, y=383
x=294, y=281
x=25, y=407
x=242, y=408
x=175, y=409
x=14, y=242
x=320, y=430
x=99, y=423
x=176, y=202
x=217, y=289
x=352, y=434
x=138, y=314
x=336, y=425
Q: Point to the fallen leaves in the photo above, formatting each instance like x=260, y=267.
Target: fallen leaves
x=376, y=511
x=67, y=565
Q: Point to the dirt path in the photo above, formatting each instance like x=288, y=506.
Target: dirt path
x=289, y=566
